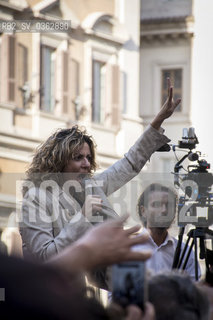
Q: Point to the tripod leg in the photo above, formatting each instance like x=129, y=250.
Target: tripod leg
x=194, y=242
x=188, y=253
x=184, y=252
x=178, y=248
x=202, y=248
x=196, y=262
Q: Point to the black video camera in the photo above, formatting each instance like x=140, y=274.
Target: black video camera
x=195, y=206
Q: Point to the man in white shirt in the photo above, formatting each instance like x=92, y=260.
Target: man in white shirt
x=157, y=208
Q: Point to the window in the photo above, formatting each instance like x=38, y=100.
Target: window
x=176, y=78
x=98, y=91
x=47, y=78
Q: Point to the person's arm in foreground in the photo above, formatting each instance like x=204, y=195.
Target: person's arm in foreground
x=104, y=244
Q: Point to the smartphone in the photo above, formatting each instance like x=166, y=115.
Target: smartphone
x=129, y=283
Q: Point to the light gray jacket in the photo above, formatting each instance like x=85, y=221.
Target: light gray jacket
x=51, y=220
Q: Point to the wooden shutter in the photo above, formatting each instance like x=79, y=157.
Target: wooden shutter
x=12, y=50
x=75, y=83
x=58, y=82
x=8, y=68
x=4, y=59
x=22, y=76
x=115, y=96
x=42, y=82
x=108, y=95
x=65, y=82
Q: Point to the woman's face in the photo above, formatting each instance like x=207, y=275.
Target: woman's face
x=81, y=162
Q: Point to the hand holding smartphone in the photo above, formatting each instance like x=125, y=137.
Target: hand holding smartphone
x=129, y=283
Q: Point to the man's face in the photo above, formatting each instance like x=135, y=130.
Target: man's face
x=159, y=209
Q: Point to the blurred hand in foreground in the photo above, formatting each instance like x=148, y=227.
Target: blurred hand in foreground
x=104, y=244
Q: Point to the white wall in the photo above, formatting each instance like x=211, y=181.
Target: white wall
x=202, y=76
x=165, y=8
x=128, y=13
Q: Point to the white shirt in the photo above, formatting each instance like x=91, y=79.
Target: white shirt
x=163, y=255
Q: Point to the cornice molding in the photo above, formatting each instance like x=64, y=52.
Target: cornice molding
x=167, y=28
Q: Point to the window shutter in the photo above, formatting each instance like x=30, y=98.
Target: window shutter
x=58, y=82
x=42, y=80
x=108, y=95
x=4, y=63
x=65, y=82
x=74, y=89
x=22, y=76
x=12, y=51
x=8, y=68
x=115, y=96
x=1, y=68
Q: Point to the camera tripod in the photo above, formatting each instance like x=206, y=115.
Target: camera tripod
x=181, y=258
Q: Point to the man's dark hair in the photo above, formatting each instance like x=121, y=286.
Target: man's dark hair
x=144, y=198
x=176, y=297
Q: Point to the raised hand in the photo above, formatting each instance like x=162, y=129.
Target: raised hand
x=167, y=109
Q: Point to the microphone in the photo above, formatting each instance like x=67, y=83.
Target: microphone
x=164, y=148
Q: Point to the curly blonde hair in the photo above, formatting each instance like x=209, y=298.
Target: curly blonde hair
x=54, y=154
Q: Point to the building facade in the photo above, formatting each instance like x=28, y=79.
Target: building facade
x=87, y=75
x=167, y=33
x=176, y=42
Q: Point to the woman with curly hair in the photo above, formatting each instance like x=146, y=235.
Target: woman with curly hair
x=54, y=154
x=54, y=210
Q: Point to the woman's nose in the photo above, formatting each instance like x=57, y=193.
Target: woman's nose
x=86, y=162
